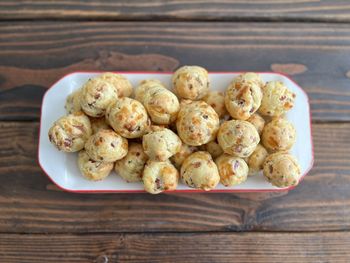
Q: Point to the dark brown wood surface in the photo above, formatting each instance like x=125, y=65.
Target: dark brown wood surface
x=266, y=10
x=317, y=56
x=175, y=247
x=41, y=41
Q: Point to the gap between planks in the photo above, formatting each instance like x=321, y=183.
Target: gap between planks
x=181, y=20
x=174, y=232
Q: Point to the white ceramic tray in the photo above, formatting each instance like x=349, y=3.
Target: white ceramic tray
x=62, y=167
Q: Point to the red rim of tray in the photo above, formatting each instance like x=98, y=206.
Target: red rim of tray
x=186, y=190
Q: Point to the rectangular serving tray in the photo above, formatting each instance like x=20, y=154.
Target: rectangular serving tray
x=62, y=167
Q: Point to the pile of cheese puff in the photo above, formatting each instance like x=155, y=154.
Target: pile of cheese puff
x=156, y=136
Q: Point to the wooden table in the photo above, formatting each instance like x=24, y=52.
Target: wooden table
x=40, y=41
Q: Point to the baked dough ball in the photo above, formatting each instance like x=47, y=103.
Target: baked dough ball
x=96, y=96
x=216, y=99
x=73, y=102
x=121, y=84
x=128, y=117
x=243, y=97
x=199, y=171
x=106, y=145
x=91, y=169
x=213, y=148
x=277, y=99
x=232, y=170
x=98, y=124
x=69, y=133
x=130, y=168
x=251, y=77
x=282, y=169
x=256, y=159
x=278, y=135
x=161, y=104
x=238, y=138
x=144, y=86
x=159, y=176
x=161, y=143
x=179, y=157
x=197, y=123
x=257, y=121
x=191, y=82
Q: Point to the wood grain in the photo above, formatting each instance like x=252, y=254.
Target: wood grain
x=41, y=223
x=262, y=10
x=34, y=55
x=30, y=204
x=219, y=247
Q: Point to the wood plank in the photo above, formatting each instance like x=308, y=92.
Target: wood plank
x=176, y=247
x=34, y=55
x=265, y=10
x=29, y=203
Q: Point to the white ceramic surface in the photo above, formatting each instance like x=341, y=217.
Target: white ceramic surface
x=62, y=167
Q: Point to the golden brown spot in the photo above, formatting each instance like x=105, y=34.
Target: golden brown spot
x=124, y=111
x=192, y=136
x=237, y=85
x=226, y=171
x=139, y=117
x=167, y=170
x=125, y=144
x=288, y=105
x=272, y=142
x=196, y=121
x=134, y=106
